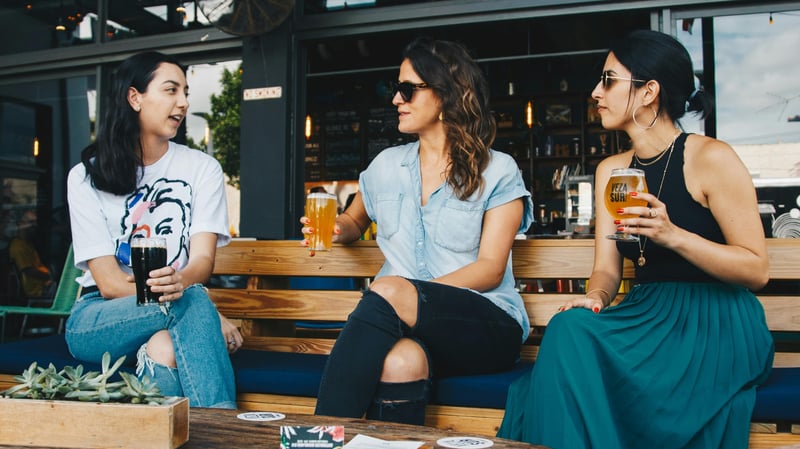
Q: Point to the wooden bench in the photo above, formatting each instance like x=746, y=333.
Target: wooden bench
x=268, y=310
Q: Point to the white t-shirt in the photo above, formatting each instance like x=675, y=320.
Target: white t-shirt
x=180, y=195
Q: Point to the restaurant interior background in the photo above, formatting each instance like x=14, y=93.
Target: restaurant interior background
x=334, y=62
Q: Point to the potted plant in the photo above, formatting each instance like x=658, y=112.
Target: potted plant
x=78, y=409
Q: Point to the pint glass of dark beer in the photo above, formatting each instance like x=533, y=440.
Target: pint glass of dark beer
x=147, y=254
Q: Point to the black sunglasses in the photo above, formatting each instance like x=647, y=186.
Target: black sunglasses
x=607, y=79
x=407, y=89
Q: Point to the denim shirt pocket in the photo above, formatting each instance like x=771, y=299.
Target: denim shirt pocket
x=387, y=213
x=459, y=225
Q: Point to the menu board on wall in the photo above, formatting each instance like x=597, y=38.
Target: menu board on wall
x=313, y=161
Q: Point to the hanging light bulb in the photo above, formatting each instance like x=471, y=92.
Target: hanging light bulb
x=60, y=25
x=529, y=114
x=770, y=19
x=308, y=127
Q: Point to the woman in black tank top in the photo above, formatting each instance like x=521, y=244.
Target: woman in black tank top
x=656, y=369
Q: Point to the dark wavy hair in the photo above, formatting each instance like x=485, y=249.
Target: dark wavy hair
x=652, y=55
x=114, y=161
x=469, y=124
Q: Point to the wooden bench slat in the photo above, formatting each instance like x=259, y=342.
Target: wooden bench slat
x=786, y=360
x=288, y=258
x=782, y=312
x=302, y=345
x=322, y=305
x=784, y=258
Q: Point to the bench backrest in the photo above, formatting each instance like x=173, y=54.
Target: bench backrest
x=548, y=272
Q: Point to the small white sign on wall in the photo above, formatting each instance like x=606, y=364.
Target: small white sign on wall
x=262, y=93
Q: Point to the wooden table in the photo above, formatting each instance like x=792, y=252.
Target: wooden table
x=219, y=428
x=215, y=428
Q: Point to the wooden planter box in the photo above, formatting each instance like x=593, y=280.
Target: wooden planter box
x=73, y=424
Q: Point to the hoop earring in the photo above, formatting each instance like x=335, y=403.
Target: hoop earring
x=652, y=123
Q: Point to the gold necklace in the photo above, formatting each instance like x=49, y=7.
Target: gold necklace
x=660, y=155
x=641, y=261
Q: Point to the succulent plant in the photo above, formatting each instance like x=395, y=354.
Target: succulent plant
x=71, y=383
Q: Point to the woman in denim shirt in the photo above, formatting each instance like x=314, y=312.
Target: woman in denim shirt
x=447, y=209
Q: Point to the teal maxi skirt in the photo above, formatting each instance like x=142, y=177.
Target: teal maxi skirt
x=674, y=365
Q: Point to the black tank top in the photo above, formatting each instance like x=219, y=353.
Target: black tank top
x=663, y=264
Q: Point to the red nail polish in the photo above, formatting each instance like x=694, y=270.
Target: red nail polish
x=621, y=228
x=616, y=222
x=620, y=211
x=596, y=309
x=634, y=193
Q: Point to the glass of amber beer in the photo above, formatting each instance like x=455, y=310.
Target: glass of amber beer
x=321, y=210
x=623, y=181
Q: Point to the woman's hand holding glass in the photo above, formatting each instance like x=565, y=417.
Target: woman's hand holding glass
x=308, y=230
x=650, y=221
x=167, y=281
x=620, y=198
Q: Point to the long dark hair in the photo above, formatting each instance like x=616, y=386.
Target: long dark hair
x=652, y=55
x=114, y=161
x=470, y=126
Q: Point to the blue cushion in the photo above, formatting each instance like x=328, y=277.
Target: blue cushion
x=299, y=375
x=16, y=357
x=278, y=372
x=321, y=283
x=486, y=390
x=778, y=398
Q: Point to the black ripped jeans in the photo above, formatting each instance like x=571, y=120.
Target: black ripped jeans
x=461, y=331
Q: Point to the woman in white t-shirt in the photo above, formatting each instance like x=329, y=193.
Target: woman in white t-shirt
x=133, y=181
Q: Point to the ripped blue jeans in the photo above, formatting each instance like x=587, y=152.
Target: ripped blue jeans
x=204, y=373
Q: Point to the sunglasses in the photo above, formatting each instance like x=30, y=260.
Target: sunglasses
x=607, y=79
x=407, y=89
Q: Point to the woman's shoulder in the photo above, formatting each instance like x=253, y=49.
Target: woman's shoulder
x=77, y=172
x=185, y=154
x=618, y=160
x=396, y=154
x=499, y=156
x=708, y=152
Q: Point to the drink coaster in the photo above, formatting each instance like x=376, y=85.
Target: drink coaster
x=464, y=442
x=261, y=416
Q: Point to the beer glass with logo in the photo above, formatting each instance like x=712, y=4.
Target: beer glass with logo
x=321, y=210
x=147, y=254
x=623, y=181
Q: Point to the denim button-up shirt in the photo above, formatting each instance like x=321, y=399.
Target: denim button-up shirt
x=427, y=242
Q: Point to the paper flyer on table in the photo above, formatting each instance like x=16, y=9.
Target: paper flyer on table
x=364, y=442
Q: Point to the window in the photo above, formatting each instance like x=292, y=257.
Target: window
x=757, y=92
x=71, y=23
x=757, y=95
